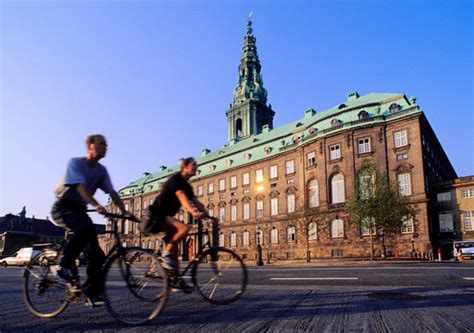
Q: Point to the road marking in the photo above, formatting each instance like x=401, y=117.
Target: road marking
x=468, y=278
x=321, y=278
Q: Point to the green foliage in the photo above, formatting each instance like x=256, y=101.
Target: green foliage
x=377, y=203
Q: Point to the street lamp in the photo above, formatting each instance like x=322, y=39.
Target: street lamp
x=259, y=246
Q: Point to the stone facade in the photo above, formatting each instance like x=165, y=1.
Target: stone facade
x=265, y=179
x=452, y=212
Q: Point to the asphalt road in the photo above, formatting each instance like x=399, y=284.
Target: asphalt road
x=379, y=297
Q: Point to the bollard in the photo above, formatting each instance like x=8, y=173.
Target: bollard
x=439, y=254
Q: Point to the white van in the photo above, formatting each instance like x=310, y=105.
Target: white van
x=465, y=247
x=20, y=258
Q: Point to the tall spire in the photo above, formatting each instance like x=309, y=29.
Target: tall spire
x=249, y=112
x=250, y=82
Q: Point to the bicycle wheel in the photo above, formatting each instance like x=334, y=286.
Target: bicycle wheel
x=44, y=296
x=221, y=276
x=136, y=287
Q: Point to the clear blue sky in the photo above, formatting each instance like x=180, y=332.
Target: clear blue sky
x=156, y=77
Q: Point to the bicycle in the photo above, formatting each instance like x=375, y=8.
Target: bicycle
x=218, y=274
x=130, y=295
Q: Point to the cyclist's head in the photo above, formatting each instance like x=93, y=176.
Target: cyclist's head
x=188, y=165
x=96, y=145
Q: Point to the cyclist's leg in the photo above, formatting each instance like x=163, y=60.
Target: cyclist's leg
x=175, y=231
x=75, y=222
x=94, y=284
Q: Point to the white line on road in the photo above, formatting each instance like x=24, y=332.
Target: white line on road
x=468, y=278
x=321, y=278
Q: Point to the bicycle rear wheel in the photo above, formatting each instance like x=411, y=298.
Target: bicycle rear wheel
x=136, y=287
x=44, y=296
x=221, y=276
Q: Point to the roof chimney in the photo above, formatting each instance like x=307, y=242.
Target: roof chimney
x=309, y=113
x=352, y=96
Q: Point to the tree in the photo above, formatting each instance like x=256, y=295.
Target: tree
x=377, y=205
x=303, y=218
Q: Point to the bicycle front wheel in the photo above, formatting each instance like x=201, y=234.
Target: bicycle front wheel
x=221, y=276
x=136, y=287
x=44, y=296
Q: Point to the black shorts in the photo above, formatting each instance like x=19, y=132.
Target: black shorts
x=152, y=223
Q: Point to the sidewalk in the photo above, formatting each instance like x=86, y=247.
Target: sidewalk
x=352, y=262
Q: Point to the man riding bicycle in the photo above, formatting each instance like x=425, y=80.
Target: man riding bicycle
x=84, y=175
x=175, y=193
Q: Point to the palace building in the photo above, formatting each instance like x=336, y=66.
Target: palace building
x=263, y=178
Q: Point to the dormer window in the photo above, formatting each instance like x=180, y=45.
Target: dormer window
x=363, y=114
x=394, y=108
x=335, y=122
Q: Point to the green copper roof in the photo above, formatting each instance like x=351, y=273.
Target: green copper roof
x=270, y=143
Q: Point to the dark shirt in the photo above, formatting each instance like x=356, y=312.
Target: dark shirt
x=167, y=203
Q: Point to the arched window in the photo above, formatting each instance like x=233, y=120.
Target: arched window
x=233, y=239
x=238, y=127
x=313, y=193
x=221, y=240
x=337, y=188
x=337, y=228
x=246, y=238
x=312, y=231
x=291, y=234
x=274, y=236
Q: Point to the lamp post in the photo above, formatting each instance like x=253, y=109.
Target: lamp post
x=268, y=253
x=413, y=248
x=259, y=246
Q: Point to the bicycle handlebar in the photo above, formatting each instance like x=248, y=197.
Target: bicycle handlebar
x=117, y=216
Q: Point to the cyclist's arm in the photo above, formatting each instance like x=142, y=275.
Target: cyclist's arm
x=200, y=206
x=116, y=199
x=84, y=193
x=187, y=205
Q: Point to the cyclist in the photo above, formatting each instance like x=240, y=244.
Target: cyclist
x=84, y=175
x=175, y=193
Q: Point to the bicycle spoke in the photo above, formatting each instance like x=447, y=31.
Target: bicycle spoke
x=221, y=277
x=131, y=296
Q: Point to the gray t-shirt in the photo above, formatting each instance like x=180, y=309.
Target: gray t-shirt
x=81, y=171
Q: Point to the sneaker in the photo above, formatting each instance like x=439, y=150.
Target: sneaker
x=167, y=262
x=180, y=285
x=94, y=301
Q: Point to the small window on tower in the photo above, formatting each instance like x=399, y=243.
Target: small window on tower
x=238, y=127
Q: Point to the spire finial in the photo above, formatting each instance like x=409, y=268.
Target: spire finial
x=249, y=25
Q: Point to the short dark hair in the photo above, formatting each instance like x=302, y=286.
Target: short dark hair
x=93, y=138
x=187, y=161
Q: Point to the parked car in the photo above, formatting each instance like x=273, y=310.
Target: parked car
x=20, y=258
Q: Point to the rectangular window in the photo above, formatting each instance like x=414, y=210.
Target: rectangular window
x=246, y=179
x=259, y=208
x=468, y=193
x=290, y=203
x=222, y=185
x=222, y=214
x=446, y=222
x=274, y=171
x=311, y=159
x=259, y=175
x=210, y=188
x=290, y=167
x=233, y=182
x=334, y=152
x=200, y=191
x=403, y=156
x=233, y=239
x=404, y=183
x=407, y=226
x=364, y=145
x=211, y=212
x=233, y=213
x=274, y=206
x=445, y=196
x=246, y=238
x=246, y=210
x=468, y=221
x=400, y=138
